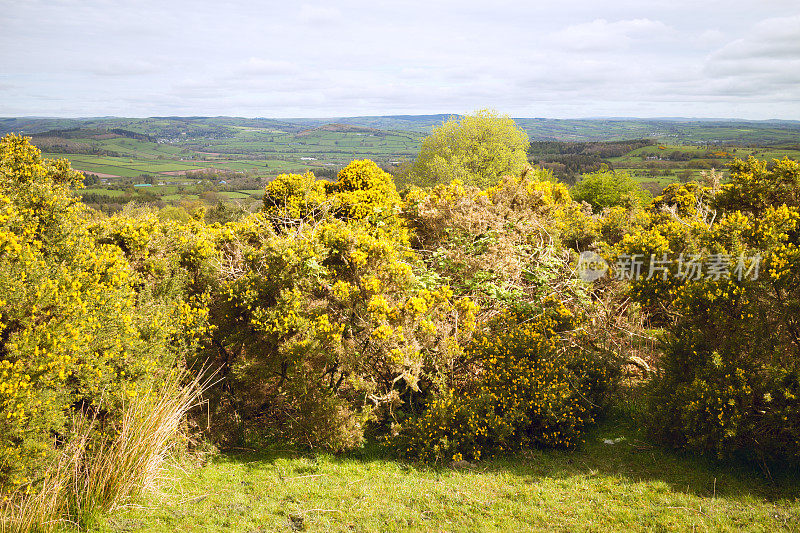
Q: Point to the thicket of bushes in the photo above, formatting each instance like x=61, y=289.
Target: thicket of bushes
x=339, y=309
x=531, y=384
x=449, y=322
x=80, y=328
x=86, y=334
x=730, y=382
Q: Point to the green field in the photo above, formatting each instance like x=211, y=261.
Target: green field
x=664, y=163
x=628, y=486
x=235, y=195
x=126, y=166
x=240, y=150
x=236, y=157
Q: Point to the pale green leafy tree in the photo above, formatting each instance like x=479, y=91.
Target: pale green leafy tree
x=477, y=149
x=606, y=188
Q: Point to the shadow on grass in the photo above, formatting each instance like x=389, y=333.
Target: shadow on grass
x=633, y=459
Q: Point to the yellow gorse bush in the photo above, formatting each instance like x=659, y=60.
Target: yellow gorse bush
x=77, y=324
x=320, y=319
x=529, y=387
x=732, y=362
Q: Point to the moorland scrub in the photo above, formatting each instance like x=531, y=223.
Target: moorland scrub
x=447, y=323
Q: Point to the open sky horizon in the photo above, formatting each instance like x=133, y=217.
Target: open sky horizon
x=331, y=117
x=565, y=60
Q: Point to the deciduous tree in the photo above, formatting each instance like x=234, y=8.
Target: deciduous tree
x=477, y=149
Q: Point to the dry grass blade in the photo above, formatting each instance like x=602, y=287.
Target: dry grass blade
x=83, y=483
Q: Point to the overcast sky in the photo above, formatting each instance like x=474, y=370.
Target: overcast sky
x=558, y=59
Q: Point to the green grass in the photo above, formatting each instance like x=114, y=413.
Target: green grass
x=233, y=195
x=261, y=149
x=106, y=192
x=629, y=486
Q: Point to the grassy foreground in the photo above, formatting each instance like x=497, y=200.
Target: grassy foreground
x=629, y=485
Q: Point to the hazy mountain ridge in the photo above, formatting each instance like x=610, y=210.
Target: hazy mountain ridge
x=687, y=130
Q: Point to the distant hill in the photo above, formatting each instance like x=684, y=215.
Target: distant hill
x=673, y=130
x=417, y=123
x=681, y=130
x=339, y=128
x=157, y=127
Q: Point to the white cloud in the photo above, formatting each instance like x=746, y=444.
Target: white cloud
x=601, y=34
x=122, y=68
x=711, y=37
x=267, y=67
x=764, y=64
x=769, y=39
x=310, y=14
x=275, y=58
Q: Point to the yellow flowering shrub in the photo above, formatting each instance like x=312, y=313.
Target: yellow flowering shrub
x=757, y=185
x=290, y=198
x=321, y=327
x=660, y=246
x=731, y=370
x=364, y=191
x=529, y=387
x=173, y=266
x=503, y=246
x=76, y=325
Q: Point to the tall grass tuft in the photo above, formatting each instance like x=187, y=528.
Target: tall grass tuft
x=92, y=476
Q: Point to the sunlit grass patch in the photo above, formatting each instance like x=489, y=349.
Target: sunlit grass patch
x=627, y=486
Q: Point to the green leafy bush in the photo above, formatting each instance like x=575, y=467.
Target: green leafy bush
x=606, y=188
x=476, y=149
